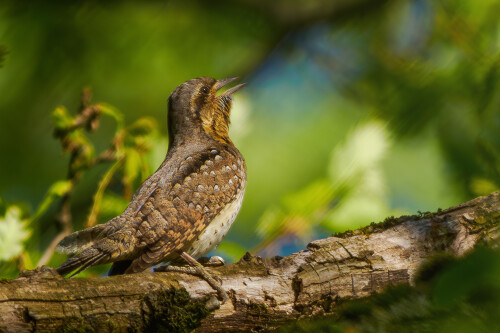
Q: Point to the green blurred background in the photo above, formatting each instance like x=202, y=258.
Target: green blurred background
x=353, y=110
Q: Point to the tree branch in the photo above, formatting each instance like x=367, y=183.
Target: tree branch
x=264, y=293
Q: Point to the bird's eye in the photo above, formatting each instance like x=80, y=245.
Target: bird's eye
x=204, y=90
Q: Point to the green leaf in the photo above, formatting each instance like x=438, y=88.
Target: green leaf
x=143, y=126
x=13, y=232
x=61, y=118
x=56, y=191
x=357, y=178
x=482, y=186
x=103, y=184
x=60, y=188
x=155, y=156
x=77, y=141
x=132, y=166
x=114, y=113
x=362, y=151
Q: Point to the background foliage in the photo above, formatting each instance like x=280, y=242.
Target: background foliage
x=352, y=112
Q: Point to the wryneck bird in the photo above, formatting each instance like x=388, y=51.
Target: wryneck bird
x=187, y=206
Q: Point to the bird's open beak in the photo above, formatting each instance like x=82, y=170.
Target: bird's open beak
x=221, y=83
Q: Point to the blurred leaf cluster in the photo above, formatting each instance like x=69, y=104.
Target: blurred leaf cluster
x=355, y=179
x=444, y=77
x=428, y=73
x=126, y=151
x=451, y=295
x=125, y=159
x=13, y=232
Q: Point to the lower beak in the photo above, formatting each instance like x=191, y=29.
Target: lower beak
x=221, y=83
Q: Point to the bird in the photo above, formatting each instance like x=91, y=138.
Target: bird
x=185, y=208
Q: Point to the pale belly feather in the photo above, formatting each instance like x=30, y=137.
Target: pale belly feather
x=217, y=229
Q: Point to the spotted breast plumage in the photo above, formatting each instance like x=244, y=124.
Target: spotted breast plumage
x=187, y=206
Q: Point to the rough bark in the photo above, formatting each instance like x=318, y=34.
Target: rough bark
x=264, y=293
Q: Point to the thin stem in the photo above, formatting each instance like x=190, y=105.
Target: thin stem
x=49, y=252
x=103, y=184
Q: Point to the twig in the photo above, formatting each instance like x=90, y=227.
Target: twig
x=88, y=117
x=49, y=252
x=20, y=262
x=103, y=184
x=64, y=216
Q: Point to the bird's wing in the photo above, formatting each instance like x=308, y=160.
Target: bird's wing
x=143, y=193
x=173, y=217
x=83, y=239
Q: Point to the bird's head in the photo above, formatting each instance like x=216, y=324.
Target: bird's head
x=195, y=110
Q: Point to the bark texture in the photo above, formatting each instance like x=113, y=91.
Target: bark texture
x=264, y=293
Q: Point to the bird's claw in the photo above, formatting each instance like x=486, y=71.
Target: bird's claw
x=213, y=280
x=222, y=294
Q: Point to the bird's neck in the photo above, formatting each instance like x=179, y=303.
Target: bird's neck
x=216, y=124
x=197, y=137
x=217, y=132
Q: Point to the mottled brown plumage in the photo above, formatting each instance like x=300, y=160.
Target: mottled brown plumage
x=187, y=205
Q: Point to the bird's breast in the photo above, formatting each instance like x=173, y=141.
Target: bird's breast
x=217, y=228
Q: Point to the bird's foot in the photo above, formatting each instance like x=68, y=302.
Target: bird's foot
x=176, y=269
x=202, y=272
x=187, y=270
x=197, y=269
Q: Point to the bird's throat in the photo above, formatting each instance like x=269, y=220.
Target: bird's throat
x=215, y=121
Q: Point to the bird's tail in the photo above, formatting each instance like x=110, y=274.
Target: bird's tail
x=80, y=240
x=88, y=257
x=114, y=247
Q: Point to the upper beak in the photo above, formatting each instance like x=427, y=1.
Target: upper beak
x=221, y=83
